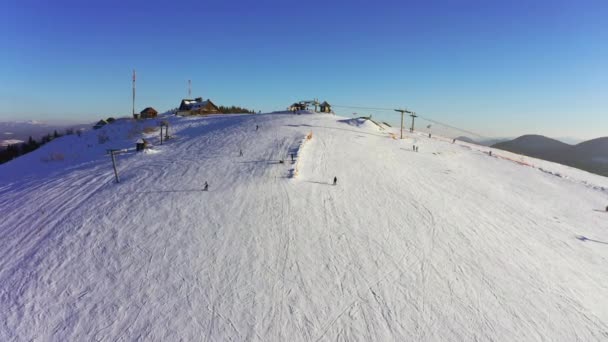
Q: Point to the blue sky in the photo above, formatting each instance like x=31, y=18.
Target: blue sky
x=501, y=68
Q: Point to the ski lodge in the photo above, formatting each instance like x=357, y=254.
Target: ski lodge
x=197, y=107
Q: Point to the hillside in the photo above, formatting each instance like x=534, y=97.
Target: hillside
x=590, y=155
x=444, y=244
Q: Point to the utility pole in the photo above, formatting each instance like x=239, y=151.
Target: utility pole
x=402, y=111
x=133, y=113
x=414, y=116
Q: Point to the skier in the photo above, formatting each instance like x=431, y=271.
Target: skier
x=335, y=180
x=206, y=187
x=414, y=147
x=490, y=153
x=240, y=153
x=256, y=127
x=453, y=141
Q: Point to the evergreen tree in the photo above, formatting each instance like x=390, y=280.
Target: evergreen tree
x=30, y=145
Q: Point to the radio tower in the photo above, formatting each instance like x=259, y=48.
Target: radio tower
x=133, y=93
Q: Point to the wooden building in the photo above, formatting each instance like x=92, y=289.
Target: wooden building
x=297, y=106
x=197, y=107
x=325, y=107
x=148, y=113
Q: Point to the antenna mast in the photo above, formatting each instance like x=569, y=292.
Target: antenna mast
x=133, y=108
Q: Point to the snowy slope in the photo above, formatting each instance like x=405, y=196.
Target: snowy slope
x=444, y=244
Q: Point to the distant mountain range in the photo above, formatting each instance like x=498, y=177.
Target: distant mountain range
x=493, y=141
x=483, y=142
x=15, y=132
x=591, y=155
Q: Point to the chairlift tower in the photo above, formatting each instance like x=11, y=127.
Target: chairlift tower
x=414, y=116
x=402, y=111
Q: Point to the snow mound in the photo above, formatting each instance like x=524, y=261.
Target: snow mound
x=448, y=243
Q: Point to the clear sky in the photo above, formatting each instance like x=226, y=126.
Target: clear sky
x=501, y=68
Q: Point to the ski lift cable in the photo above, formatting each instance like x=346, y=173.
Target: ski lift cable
x=421, y=117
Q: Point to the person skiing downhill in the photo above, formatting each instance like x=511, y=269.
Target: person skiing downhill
x=335, y=180
x=206, y=187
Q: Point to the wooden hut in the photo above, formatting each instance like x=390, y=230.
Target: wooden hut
x=148, y=113
x=325, y=107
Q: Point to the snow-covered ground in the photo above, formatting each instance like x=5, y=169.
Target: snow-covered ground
x=446, y=244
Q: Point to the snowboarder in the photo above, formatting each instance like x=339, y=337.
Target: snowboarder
x=335, y=180
x=206, y=188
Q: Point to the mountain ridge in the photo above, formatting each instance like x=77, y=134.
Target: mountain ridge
x=590, y=155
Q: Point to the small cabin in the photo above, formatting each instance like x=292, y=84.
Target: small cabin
x=148, y=113
x=325, y=107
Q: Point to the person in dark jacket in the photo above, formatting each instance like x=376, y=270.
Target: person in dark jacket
x=335, y=180
x=206, y=187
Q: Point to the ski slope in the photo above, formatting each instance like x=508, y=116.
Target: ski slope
x=446, y=244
